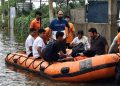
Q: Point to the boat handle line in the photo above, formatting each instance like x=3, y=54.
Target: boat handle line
x=10, y=57
x=37, y=65
x=24, y=61
x=31, y=63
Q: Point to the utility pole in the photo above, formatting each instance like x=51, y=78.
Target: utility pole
x=30, y=4
x=3, y=13
x=40, y=3
x=112, y=13
x=8, y=13
x=68, y=8
x=50, y=10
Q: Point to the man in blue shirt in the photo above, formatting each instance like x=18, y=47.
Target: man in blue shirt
x=59, y=25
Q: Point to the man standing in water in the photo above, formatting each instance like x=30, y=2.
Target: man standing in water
x=36, y=23
x=59, y=25
x=71, y=33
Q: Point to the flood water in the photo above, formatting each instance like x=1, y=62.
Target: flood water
x=11, y=76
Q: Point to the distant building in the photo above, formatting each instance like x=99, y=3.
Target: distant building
x=24, y=6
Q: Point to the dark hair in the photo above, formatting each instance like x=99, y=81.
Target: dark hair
x=41, y=30
x=58, y=11
x=118, y=29
x=93, y=30
x=80, y=32
x=59, y=34
x=67, y=16
x=32, y=30
x=38, y=13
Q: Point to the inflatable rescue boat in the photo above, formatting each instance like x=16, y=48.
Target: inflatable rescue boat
x=85, y=70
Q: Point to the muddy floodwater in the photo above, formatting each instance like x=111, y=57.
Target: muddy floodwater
x=11, y=76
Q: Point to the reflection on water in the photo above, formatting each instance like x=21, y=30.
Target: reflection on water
x=11, y=76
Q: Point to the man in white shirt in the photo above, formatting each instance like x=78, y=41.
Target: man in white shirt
x=81, y=39
x=29, y=42
x=79, y=44
x=39, y=44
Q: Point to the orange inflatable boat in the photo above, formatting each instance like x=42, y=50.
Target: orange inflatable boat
x=85, y=70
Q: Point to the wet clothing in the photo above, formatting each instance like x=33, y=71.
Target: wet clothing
x=98, y=45
x=58, y=25
x=29, y=43
x=51, y=50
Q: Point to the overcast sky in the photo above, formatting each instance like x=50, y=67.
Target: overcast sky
x=36, y=4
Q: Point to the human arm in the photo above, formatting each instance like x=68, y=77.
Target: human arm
x=39, y=51
x=113, y=46
x=51, y=28
x=67, y=26
x=40, y=46
x=30, y=48
x=30, y=41
x=32, y=24
x=87, y=45
x=74, y=42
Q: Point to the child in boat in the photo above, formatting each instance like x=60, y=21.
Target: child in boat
x=39, y=44
x=29, y=42
x=56, y=50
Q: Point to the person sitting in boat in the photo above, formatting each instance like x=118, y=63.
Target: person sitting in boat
x=56, y=50
x=117, y=77
x=98, y=43
x=80, y=43
x=114, y=46
x=39, y=44
x=29, y=42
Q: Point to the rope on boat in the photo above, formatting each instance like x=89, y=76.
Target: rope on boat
x=10, y=57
